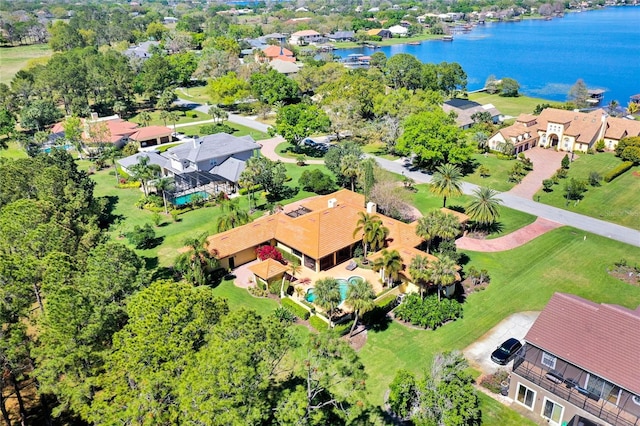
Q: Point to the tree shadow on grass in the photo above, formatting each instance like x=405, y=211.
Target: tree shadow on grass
x=377, y=319
x=107, y=217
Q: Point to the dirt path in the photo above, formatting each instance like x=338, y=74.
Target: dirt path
x=509, y=241
x=545, y=164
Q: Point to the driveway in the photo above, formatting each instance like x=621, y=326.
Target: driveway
x=545, y=164
x=509, y=241
x=479, y=353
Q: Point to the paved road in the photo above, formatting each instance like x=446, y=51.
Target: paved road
x=585, y=223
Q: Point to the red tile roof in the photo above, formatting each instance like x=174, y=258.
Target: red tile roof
x=276, y=51
x=150, y=132
x=600, y=338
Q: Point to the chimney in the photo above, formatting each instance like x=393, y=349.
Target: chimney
x=333, y=202
x=372, y=207
x=196, y=142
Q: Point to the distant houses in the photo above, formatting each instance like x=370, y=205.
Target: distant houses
x=143, y=50
x=569, y=131
x=305, y=37
x=465, y=111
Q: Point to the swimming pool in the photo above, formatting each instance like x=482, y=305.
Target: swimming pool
x=186, y=199
x=343, y=285
x=66, y=147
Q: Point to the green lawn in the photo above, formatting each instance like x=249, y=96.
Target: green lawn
x=240, y=131
x=499, y=172
x=522, y=279
x=510, y=220
x=387, y=41
x=508, y=106
x=496, y=414
x=13, y=151
x=13, y=59
x=185, y=116
x=614, y=201
x=196, y=94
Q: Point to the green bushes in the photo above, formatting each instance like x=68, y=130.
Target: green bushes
x=617, y=171
x=318, y=323
x=142, y=237
x=212, y=129
x=129, y=185
x=296, y=309
x=342, y=329
x=493, y=381
x=428, y=312
x=254, y=188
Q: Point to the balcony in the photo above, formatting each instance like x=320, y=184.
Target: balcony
x=574, y=394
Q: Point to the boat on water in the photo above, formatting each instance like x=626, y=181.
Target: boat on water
x=414, y=43
x=447, y=38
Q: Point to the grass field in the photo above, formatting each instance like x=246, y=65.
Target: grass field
x=510, y=220
x=387, y=41
x=615, y=201
x=194, y=94
x=499, y=173
x=13, y=151
x=508, y=106
x=522, y=279
x=240, y=131
x=185, y=116
x=13, y=59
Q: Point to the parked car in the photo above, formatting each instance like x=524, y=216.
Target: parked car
x=506, y=351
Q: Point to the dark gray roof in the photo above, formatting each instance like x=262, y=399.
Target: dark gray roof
x=342, y=34
x=154, y=158
x=212, y=146
x=462, y=103
x=229, y=169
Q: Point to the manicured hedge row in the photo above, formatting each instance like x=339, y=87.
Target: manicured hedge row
x=617, y=171
x=254, y=188
x=344, y=328
x=318, y=323
x=296, y=309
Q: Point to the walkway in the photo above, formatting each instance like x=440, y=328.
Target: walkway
x=269, y=151
x=509, y=241
x=545, y=164
x=234, y=118
x=564, y=217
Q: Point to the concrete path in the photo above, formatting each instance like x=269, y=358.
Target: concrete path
x=269, y=151
x=554, y=214
x=479, y=352
x=545, y=164
x=509, y=241
x=234, y=118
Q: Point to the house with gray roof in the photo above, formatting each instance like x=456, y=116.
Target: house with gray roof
x=342, y=36
x=141, y=51
x=464, y=109
x=211, y=164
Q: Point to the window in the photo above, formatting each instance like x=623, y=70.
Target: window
x=525, y=396
x=602, y=388
x=552, y=411
x=636, y=399
x=548, y=360
x=296, y=252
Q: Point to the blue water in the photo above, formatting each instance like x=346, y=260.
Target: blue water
x=49, y=148
x=343, y=285
x=546, y=57
x=186, y=199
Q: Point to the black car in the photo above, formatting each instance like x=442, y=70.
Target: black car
x=506, y=351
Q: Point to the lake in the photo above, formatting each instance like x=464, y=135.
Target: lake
x=546, y=57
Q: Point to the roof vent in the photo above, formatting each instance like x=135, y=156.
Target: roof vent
x=372, y=207
x=332, y=202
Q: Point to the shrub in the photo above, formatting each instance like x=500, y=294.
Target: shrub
x=318, y=323
x=284, y=315
x=316, y=181
x=600, y=145
x=296, y=309
x=624, y=144
x=174, y=215
x=129, y=185
x=493, y=381
x=211, y=129
x=274, y=287
x=428, y=312
x=574, y=189
x=526, y=162
x=617, y=171
x=257, y=291
x=595, y=179
x=142, y=237
x=269, y=252
x=254, y=188
x=344, y=328
x=156, y=219
x=565, y=163
x=547, y=185
x=562, y=173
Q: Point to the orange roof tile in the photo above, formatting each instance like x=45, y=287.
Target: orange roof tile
x=150, y=132
x=618, y=128
x=274, y=51
x=259, y=231
x=268, y=269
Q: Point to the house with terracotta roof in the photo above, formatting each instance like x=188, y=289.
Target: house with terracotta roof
x=380, y=32
x=272, y=52
x=581, y=360
x=305, y=37
x=101, y=130
x=569, y=131
x=151, y=136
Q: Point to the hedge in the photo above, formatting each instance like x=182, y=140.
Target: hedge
x=254, y=188
x=129, y=185
x=296, y=309
x=318, y=323
x=344, y=328
x=617, y=171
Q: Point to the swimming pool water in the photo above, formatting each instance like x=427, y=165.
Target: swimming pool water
x=343, y=285
x=186, y=199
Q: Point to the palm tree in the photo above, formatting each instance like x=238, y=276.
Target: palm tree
x=145, y=118
x=350, y=168
x=390, y=263
x=112, y=152
x=427, y=227
x=163, y=185
x=443, y=273
x=374, y=233
x=164, y=116
x=484, y=208
x=197, y=264
x=327, y=295
x=173, y=117
x=144, y=172
x=294, y=268
x=360, y=298
x=448, y=226
x=232, y=215
x=420, y=270
x=446, y=182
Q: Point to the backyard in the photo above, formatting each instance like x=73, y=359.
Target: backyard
x=241, y=130
x=499, y=171
x=506, y=105
x=615, y=201
x=185, y=115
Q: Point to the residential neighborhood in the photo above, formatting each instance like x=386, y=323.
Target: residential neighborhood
x=319, y=213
